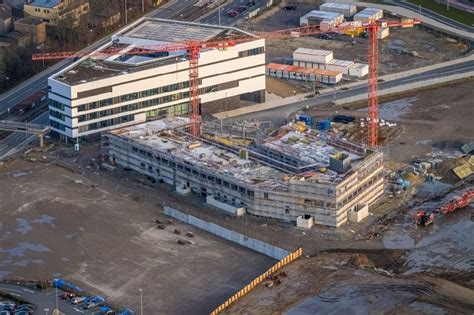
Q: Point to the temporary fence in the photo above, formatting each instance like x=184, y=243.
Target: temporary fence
x=265, y=248
x=249, y=287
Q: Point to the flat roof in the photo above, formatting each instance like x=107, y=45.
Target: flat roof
x=336, y=5
x=369, y=12
x=44, y=3
x=289, y=68
x=143, y=33
x=173, y=32
x=308, y=145
x=312, y=52
x=341, y=63
x=323, y=14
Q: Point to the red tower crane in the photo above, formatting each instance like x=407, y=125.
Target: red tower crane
x=193, y=49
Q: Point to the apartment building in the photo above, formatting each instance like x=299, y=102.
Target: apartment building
x=101, y=92
x=52, y=11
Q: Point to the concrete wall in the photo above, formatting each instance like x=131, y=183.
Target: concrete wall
x=259, y=246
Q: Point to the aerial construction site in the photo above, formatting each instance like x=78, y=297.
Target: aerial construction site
x=243, y=157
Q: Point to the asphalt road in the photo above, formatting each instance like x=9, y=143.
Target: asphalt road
x=435, y=16
x=43, y=300
x=229, y=6
x=279, y=114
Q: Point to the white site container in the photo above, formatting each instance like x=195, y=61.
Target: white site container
x=304, y=221
x=312, y=55
x=369, y=14
x=303, y=74
x=383, y=33
x=344, y=8
x=307, y=64
x=359, y=70
x=338, y=65
x=315, y=17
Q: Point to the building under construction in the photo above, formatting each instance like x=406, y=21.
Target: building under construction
x=295, y=173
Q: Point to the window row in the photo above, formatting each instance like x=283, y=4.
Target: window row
x=106, y=123
x=194, y=172
x=56, y=125
x=56, y=114
x=56, y=104
x=133, y=96
x=252, y=52
x=134, y=106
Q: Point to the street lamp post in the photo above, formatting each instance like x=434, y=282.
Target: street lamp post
x=57, y=302
x=219, y=12
x=126, y=12
x=141, y=301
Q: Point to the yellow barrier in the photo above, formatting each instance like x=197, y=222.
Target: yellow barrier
x=249, y=287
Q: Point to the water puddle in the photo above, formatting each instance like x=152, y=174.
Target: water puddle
x=393, y=110
x=22, y=248
x=23, y=226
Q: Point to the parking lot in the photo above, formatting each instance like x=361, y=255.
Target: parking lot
x=104, y=238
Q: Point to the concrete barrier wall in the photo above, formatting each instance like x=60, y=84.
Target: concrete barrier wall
x=257, y=245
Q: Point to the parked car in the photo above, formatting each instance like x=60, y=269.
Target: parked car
x=94, y=302
x=232, y=14
x=78, y=300
x=250, y=3
x=68, y=296
x=289, y=8
x=324, y=36
x=126, y=311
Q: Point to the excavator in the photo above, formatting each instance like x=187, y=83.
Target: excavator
x=424, y=218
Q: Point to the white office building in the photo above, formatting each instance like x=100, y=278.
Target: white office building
x=103, y=91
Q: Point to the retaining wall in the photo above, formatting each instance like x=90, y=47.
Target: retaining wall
x=257, y=245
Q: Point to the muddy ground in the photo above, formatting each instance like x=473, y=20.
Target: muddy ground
x=103, y=237
x=353, y=284
x=432, y=48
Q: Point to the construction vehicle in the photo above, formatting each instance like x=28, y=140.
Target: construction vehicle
x=424, y=218
x=458, y=202
x=194, y=47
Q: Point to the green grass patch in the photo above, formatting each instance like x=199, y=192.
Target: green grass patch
x=453, y=13
x=384, y=2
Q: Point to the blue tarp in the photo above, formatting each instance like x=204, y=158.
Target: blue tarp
x=67, y=286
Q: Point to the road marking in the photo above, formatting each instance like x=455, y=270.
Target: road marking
x=30, y=291
x=10, y=289
x=19, y=295
x=77, y=310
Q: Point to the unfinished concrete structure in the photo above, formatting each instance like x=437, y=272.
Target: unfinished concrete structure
x=292, y=172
